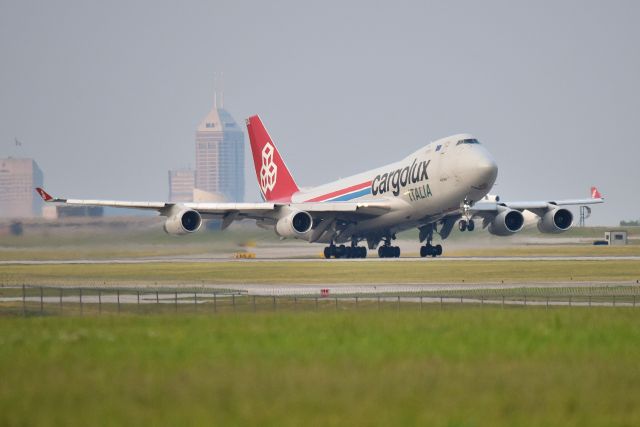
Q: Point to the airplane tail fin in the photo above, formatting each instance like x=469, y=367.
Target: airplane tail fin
x=275, y=181
x=595, y=194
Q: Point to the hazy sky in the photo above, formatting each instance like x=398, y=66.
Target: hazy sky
x=107, y=95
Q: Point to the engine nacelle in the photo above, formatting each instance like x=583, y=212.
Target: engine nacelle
x=555, y=221
x=506, y=223
x=184, y=222
x=294, y=225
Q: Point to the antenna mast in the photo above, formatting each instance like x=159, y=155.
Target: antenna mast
x=221, y=89
x=215, y=90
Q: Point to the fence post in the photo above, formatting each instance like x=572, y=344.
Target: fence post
x=138, y=297
x=118, y=295
x=547, y=301
x=481, y=300
x=440, y=301
x=634, y=300
x=215, y=302
x=295, y=303
x=274, y=303
x=378, y=302
x=316, y=303
x=24, y=300
x=81, y=310
x=398, y=305
x=589, y=300
x=569, y=300
x=614, y=300
x=525, y=300
x=157, y=298
x=420, y=302
x=60, y=300
x=195, y=301
x=41, y=300
x=99, y=301
x=176, y=301
x=356, y=302
x=336, y=303
x=502, y=301
x=233, y=302
x=254, y=303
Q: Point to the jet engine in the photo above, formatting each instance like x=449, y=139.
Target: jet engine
x=184, y=222
x=294, y=224
x=506, y=223
x=555, y=221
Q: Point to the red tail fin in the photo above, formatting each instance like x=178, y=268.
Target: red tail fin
x=274, y=179
x=595, y=194
x=45, y=196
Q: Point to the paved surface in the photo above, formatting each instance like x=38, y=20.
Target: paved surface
x=292, y=260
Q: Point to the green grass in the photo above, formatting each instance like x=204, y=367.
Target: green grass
x=453, y=367
x=323, y=272
x=547, y=251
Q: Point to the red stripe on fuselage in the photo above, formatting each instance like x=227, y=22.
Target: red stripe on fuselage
x=340, y=192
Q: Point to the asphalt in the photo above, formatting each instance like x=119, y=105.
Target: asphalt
x=314, y=259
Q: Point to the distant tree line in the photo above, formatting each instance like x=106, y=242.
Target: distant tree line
x=630, y=223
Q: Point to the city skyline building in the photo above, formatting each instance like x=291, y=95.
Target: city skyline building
x=220, y=155
x=18, y=178
x=181, y=185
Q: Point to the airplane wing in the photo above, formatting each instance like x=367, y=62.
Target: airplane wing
x=230, y=212
x=484, y=207
x=505, y=218
x=493, y=206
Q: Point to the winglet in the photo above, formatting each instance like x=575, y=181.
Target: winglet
x=45, y=196
x=595, y=194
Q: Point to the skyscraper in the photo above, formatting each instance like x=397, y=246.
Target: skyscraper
x=220, y=155
x=181, y=184
x=18, y=179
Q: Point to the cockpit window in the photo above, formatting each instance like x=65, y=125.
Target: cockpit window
x=468, y=141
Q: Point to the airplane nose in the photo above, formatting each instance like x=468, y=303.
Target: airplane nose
x=485, y=167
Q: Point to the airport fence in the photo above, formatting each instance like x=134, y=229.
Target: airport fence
x=29, y=300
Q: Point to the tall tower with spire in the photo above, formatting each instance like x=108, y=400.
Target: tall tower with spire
x=220, y=154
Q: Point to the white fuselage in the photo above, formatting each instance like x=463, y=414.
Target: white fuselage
x=423, y=187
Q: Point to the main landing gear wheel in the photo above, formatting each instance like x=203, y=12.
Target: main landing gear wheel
x=385, y=251
x=429, y=250
x=343, y=251
x=464, y=225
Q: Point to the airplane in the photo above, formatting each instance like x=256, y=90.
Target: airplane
x=444, y=183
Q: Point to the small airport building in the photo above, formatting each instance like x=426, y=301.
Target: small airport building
x=616, y=237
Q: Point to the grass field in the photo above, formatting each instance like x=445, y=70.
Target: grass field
x=323, y=272
x=453, y=367
x=547, y=251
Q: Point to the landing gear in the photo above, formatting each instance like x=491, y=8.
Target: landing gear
x=464, y=225
x=430, y=250
x=343, y=251
x=388, y=251
x=426, y=233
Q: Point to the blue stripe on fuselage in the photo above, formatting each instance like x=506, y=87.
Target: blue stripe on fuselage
x=351, y=196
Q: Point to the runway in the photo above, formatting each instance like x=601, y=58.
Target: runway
x=315, y=260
